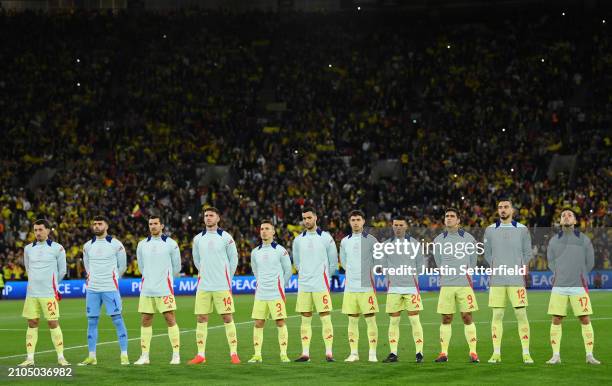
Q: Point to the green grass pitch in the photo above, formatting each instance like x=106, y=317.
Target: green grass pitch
x=218, y=370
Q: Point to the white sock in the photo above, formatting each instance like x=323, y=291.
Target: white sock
x=328, y=353
x=30, y=357
x=124, y=353
x=60, y=357
x=372, y=352
x=202, y=354
x=555, y=354
x=525, y=351
x=92, y=354
x=306, y=353
x=497, y=352
x=354, y=353
x=176, y=355
x=145, y=355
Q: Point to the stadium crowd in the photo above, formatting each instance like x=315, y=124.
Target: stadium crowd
x=125, y=107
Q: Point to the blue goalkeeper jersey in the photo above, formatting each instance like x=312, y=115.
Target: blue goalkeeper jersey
x=45, y=264
x=271, y=266
x=216, y=257
x=105, y=262
x=159, y=261
x=315, y=258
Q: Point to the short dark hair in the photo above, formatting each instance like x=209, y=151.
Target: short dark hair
x=452, y=209
x=503, y=198
x=43, y=221
x=100, y=218
x=212, y=209
x=356, y=212
x=399, y=217
x=156, y=216
x=266, y=221
x=309, y=209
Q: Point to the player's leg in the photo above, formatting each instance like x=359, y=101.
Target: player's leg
x=467, y=304
x=305, y=305
x=557, y=308
x=31, y=311
x=446, y=332
x=469, y=329
x=581, y=305
x=279, y=313
x=174, y=333
x=518, y=298
x=147, y=308
x=368, y=306
x=258, y=330
x=497, y=302
x=50, y=309
x=93, y=302
x=414, y=307
x=202, y=308
x=260, y=314
x=394, y=308
x=114, y=308
x=447, y=308
x=323, y=304
x=350, y=307
x=224, y=304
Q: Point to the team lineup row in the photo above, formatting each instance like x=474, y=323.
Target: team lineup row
x=314, y=253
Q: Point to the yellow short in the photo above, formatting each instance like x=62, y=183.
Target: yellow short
x=581, y=304
x=517, y=295
x=450, y=297
x=307, y=301
x=269, y=309
x=403, y=302
x=154, y=304
x=33, y=306
x=359, y=303
x=223, y=301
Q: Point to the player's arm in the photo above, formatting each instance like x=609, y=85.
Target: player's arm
x=295, y=251
x=590, y=255
x=61, y=263
x=286, y=264
x=473, y=257
x=332, y=256
x=343, y=254
x=421, y=259
x=85, y=258
x=140, y=258
x=121, y=258
x=232, y=255
x=550, y=254
x=488, y=250
x=437, y=251
x=26, y=259
x=527, y=251
x=195, y=252
x=372, y=261
x=176, y=259
x=254, y=267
